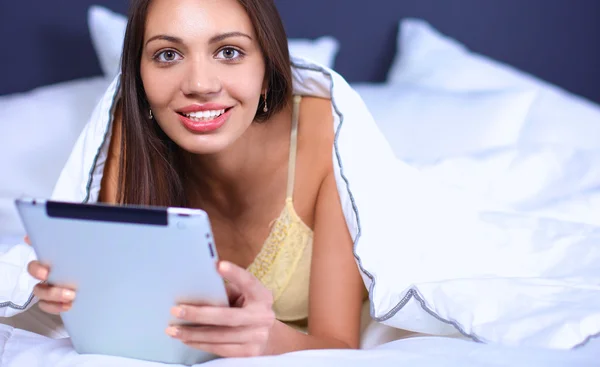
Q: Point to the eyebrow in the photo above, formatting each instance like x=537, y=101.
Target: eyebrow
x=214, y=39
x=221, y=37
x=165, y=38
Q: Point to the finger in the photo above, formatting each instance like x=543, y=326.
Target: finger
x=233, y=291
x=217, y=334
x=247, y=283
x=49, y=293
x=224, y=316
x=234, y=294
x=54, y=307
x=229, y=350
x=38, y=270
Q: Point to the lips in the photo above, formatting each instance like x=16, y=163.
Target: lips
x=205, y=121
x=204, y=118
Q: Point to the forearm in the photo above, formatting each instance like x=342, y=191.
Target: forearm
x=285, y=339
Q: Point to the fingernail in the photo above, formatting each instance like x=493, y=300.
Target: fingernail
x=68, y=295
x=178, y=312
x=42, y=274
x=172, y=331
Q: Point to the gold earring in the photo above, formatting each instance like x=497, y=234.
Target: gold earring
x=265, y=109
x=150, y=115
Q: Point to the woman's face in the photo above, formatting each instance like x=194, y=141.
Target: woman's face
x=203, y=71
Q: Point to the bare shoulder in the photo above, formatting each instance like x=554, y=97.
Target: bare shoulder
x=316, y=133
x=314, y=160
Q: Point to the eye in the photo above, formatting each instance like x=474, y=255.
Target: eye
x=167, y=56
x=229, y=53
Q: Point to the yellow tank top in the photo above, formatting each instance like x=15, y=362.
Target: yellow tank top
x=283, y=264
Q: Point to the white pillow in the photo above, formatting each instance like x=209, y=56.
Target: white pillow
x=107, y=30
x=39, y=129
x=322, y=50
x=423, y=124
x=431, y=59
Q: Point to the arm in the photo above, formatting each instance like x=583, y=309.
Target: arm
x=336, y=287
x=250, y=328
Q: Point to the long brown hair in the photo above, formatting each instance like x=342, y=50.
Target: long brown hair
x=150, y=168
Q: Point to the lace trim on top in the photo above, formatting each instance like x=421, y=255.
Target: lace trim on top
x=277, y=260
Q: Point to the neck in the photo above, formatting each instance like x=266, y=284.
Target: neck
x=233, y=180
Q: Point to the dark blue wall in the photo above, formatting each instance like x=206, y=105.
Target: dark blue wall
x=558, y=40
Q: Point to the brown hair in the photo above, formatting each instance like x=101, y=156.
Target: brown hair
x=150, y=169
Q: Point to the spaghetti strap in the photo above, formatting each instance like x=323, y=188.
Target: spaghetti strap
x=293, y=148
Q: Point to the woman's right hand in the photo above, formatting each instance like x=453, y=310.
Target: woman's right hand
x=52, y=299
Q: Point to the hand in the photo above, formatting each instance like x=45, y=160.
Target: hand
x=242, y=330
x=53, y=299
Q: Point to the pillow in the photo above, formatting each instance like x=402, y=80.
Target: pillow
x=107, y=30
x=34, y=145
x=431, y=59
x=423, y=124
x=322, y=50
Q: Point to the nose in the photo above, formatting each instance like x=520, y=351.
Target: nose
x=201, y=79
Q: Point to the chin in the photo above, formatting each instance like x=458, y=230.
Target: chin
x=204, y=144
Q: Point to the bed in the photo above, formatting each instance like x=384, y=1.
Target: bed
x=484, y=98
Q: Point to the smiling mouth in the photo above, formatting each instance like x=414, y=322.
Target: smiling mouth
x=203, y=116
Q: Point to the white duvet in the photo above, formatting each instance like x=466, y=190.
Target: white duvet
x=19, y=348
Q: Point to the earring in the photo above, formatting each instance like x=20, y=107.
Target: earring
x=265, y=109
x=150, y=115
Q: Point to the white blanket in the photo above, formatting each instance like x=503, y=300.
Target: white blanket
x=19, y=348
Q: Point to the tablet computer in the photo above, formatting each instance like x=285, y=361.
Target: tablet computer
x=129, y=266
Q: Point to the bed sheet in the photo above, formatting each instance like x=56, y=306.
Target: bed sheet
x=20, y=348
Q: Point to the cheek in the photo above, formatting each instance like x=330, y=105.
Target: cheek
x=245, y=84
x=159, y=85
x=247, y=93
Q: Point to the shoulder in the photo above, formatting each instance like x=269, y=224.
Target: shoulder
x=314, y=154
x=316, y=132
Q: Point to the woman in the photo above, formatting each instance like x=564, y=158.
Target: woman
x=205, y=118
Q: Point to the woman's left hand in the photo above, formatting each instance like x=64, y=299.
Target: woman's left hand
x=242, y=330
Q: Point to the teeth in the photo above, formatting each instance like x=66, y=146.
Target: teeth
x=204, y=115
